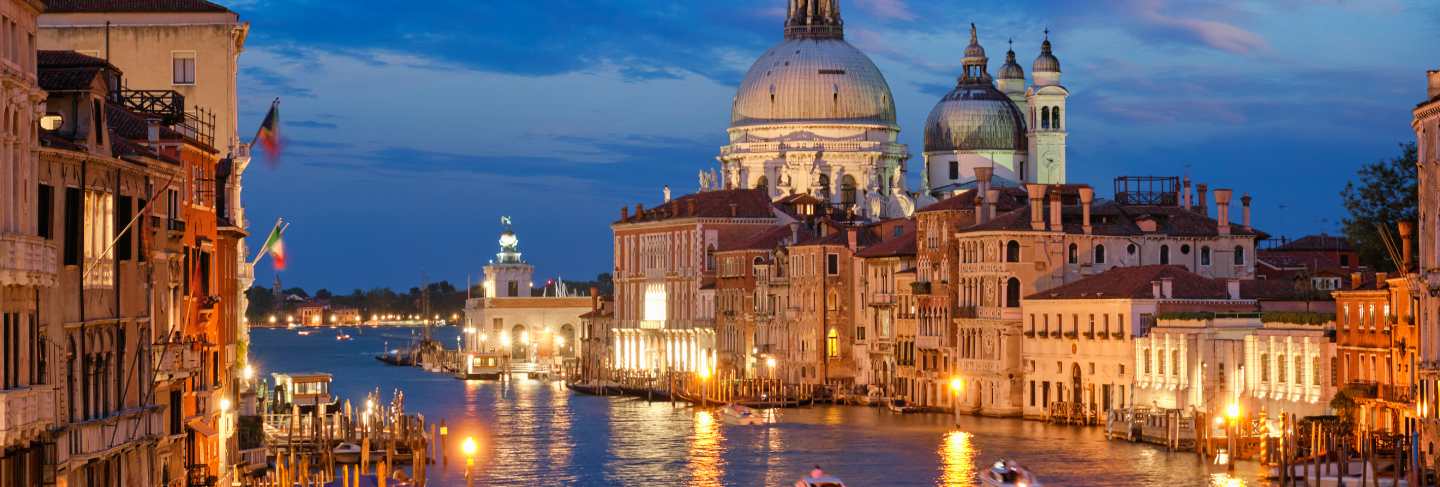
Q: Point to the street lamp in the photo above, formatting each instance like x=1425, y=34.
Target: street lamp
x=957, y=387
x=468, y=447
x=704, y=378
x=1233, y=413
x=247, y=373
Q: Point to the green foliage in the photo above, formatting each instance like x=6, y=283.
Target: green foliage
x=1297, y=317
x=1386, y=194
x=1187, y=316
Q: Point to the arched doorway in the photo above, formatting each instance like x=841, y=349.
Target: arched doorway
x=519, y=343
x=1075, y=389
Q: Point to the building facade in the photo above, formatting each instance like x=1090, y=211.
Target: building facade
x=1426, y=123
x=511, y=326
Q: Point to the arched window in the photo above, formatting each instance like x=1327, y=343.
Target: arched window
x=847, y=190
x=1073, y=254
x=1164, y=254
x=1174, y=362
x=1099, y=254
x=1012, y=293
x=832, y=343
x=1012, y=251
x=1055, y=116
x=1130, y=249
x=825, y=186
x=762, y=183
x=1045, y=117
x=1239, y=255
x=954, y=169
x=1205, y=255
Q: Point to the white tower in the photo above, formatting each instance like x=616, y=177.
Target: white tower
x=508, y=276
x=1047, y=119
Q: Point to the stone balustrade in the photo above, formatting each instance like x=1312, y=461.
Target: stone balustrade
x=26, y=412
x=27, y=261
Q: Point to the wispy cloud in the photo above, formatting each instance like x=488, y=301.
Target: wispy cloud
x=1213, y=33
x=887, y=9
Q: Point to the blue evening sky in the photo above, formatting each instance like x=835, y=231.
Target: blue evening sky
x=411, y=128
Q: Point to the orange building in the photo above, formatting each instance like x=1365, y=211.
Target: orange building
x=1377, y=350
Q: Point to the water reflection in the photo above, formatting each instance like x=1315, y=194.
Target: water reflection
x=957, y=459
x=705, y=462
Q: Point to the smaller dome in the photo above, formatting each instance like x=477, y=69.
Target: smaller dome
x=1011, y=69
x=1046, y=62
x=974, y=51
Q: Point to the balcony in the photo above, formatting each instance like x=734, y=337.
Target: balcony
x=920, y=288
x=881, y=299
x=927, y=342
x=96, y=437
x=175, y=361
x=27, y=261
x=25, y=413
x=1071, y=335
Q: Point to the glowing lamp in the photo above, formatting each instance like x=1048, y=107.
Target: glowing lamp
x=224, y=404
x=469, y=446
x=770, y=362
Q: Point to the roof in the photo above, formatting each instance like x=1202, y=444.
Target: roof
x=129, y=6
x=1110, y=218
x=894, y=247
x=1135, y=283
x=813, y=81
x=127, y=130
x=1010, y=199
x=727, y=203
x=68, y=70
x=770, y=238
x=1321, y=242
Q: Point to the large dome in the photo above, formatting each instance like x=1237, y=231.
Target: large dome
x=813, y=80
x=975, y=116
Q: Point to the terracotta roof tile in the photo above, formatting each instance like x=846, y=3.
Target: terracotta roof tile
x=1010, y=199
x=85, y=6
x=729, y=203
x=894, y=247
x=769, y=239
x=1317, y=242
x=1135, y=283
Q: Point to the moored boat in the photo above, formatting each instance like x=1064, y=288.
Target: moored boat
x=1007, y=473
x=900, y=406
x=740, y=415
x=818, y=478
x=347, y=453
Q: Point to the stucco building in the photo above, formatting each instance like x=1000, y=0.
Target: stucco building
x=521, y=333
x=1426, y=123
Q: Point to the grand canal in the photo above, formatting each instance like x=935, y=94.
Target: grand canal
x=538, y=433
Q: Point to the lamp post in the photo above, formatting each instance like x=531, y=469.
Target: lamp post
x=1232, y=412
x=770, y=366
x=704, y=378
x=957, y=386
x=468, y=447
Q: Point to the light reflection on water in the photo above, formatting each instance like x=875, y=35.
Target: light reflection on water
x=538, y=433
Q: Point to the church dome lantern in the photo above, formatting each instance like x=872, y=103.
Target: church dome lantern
x=1046, y=68
x=975, y=115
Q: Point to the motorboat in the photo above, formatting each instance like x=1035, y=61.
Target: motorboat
x=900, y=406
x=818, y=478
x=740, y=415
x=304, y=332
x=347, y=453
x=1007, y=473
x=342, y=337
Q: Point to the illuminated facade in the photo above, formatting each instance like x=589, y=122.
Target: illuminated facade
x=1426, y=124
x=509, y=326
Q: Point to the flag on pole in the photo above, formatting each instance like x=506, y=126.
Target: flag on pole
x=275, y=246
x=269, y=134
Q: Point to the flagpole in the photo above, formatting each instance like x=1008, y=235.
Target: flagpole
x=265, y=247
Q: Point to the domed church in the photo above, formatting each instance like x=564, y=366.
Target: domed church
x=1003, y=124
x=815, y=116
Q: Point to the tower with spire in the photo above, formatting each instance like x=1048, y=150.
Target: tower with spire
x=1047, y=117
x=508, y=276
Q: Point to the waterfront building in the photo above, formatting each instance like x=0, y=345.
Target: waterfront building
x=29, y=263
x=664, y=256
x=1426, y=123
x=815, y=116
x=743, y=299
x=1015, y=131
x=595, y=341
x=888, y=269
x=1313, y=253
x=1079, y=350
x=314, y=312
x=1375, y=337
x=521, y=333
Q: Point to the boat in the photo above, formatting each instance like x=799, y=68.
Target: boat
x=900, y=406
x=342, y=337
x=818, y=478
x=1007, y=473
x=347, y=453
x=305, y=332
x=740, y=415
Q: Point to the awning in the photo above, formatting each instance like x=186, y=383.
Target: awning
x=203, y=426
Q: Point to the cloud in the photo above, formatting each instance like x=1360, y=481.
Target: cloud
x=314, y=124
x=266, y=80
x=1213, y=33
x=887, y=9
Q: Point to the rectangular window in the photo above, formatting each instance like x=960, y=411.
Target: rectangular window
x=1032, y=393
x=45, y=212
x=832, y=264
x=72, y=226
x=183, y=67
x=122, y=218
x=98, y=115
x=140, y=233
x=99, y=230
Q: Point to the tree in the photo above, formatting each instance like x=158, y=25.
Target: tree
x=1387, y=193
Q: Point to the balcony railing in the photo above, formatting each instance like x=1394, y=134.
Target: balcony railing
x=25, y=413
x=920, y=288
x=27, y=261
x=175, y=361
x=98, y=436
x=882, y=299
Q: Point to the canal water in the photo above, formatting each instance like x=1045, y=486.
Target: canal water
x=539, y=433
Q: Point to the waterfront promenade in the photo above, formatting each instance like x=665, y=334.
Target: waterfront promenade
x=539, y=433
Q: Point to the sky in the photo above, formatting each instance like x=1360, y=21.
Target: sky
x=410, y=130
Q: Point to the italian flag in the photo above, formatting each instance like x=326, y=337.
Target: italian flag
x=276, y=247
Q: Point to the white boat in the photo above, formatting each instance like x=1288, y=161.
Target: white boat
x=347, y=453
x=900, y=406
x=1006, y=473
x=342, y=337
x=740, y=415
x=818, y=478
x=304, y=332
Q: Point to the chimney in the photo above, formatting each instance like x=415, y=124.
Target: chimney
x=152, y=132
x=1036, y=193
x=982, y=178
x=852, y=235
x=1380, y=278
x=1433, y=87
x=690, y=205
x=1167, y=287
x=1355, y=279
x=733, y=210
x=1185, y=196
x=1200, y=199
x=666, y=193
x=980, y=207
x=1233, y=286
x=639, y=210
x=624, y=213
x=1406, y=247
x=991, y=197
x=1087, y=196
x=1222, y=210
x=1155, y=290
x=794, y=233
x=1245, y=210
x=594, y=298
x=1055, y=224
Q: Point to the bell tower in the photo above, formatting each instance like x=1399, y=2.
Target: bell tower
x=1048, y=119
x=508, y=276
